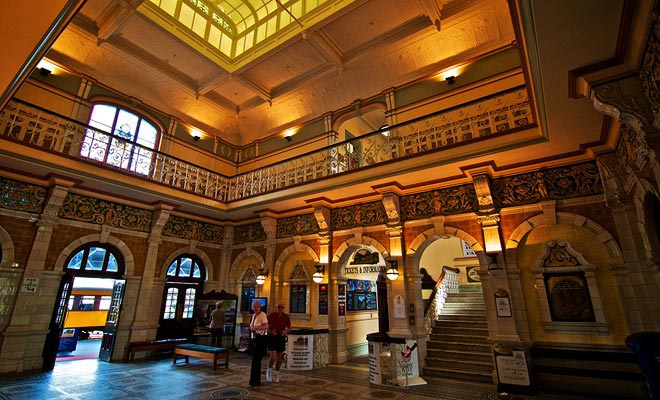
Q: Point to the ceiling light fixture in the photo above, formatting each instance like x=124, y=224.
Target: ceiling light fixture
x=263, y=274
x=318, y=275
x=393, y=272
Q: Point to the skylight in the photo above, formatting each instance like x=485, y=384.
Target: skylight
x=235, y=27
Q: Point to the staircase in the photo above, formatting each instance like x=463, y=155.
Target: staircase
x=458, y=346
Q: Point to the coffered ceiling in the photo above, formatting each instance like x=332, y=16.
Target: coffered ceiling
x=315, y=65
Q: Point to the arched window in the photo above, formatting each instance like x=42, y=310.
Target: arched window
x=95, y=259
x=130, y=144
x=185, y=282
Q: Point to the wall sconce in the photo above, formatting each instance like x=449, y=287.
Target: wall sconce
x=385, y=130
x=393, y=272
x=450, y=79
x=288, y=134
x=318, y=275
x=196, y=135
x=263, y=274
x=45, y=68
x=492, y=239
x=15, y=264
x=493, y=262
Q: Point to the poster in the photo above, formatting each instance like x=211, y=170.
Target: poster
x=299, y=352
x=513, y=369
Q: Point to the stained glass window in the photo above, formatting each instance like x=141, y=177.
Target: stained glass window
x=129, y=147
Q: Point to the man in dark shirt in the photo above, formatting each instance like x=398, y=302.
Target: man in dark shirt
x=217, y=325
x=279, y=324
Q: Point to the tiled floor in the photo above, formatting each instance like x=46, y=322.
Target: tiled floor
x=159, y=379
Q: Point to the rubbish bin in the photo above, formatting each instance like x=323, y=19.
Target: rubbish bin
x=646, y=346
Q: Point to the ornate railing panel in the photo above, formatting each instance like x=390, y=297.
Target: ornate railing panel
x=447, y=283
x=494, y=115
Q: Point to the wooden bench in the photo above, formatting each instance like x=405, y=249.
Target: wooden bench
x=153, y=345
x=200, y=351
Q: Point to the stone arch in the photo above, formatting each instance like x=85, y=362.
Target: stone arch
x=235, y=273
x=424, y=239
x=8, y=249
x=609, y=243
x=122, y=247
x=208, y=264
x=279, y=263
x=646, y=200
x=340, y=257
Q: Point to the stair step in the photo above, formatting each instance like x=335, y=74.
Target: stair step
x=449, y=323
x=463, y=309
x=474, y=376
x=467, y=299
x=458, y=338
x=467, y=330
x=459, y=346
x=446, y=354
x=464, y=313
x=461, y=365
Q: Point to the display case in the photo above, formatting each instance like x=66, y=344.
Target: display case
x=206, y=303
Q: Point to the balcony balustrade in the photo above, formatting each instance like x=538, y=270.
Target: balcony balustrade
x=495, y=115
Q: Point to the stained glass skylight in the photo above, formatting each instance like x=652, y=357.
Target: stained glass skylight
x=234, y=27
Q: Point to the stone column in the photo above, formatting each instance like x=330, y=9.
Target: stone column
x=23, y=340
x=148, y=295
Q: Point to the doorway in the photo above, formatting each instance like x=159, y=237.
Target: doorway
x=87, y=307
x=185, y=282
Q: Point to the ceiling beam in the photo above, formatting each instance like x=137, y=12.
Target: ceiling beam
x=325, y=47
x=115, y=16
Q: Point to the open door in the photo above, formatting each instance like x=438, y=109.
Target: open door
x=56, y=325
x=110, y=329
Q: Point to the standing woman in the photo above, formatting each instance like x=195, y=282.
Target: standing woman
x=258, y=332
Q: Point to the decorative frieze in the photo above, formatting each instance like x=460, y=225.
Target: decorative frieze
x=21, y=196
x=304, y=224
x=103, y=212
x=184, y=228
x=448, y=201
x=249, y=233
x=552, y=184
x=366, y=214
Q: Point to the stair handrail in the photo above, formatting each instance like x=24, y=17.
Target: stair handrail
x=447, y=283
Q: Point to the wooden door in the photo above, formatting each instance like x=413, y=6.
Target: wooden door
x=177, y=318
x=110, y=329
x=56, y=325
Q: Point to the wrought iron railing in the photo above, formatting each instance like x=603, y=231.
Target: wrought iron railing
x=494, y=115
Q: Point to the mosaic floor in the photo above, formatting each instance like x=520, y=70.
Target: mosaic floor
x=159, y=379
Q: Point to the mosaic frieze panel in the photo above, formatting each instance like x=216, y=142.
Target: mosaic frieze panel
x=249, y=233
x=96, y=211
x=21, y=196
x=553, y=184
x=365, y=214
x=298, y=225
x=448, y=201
x=183, y=228
x=650, y=68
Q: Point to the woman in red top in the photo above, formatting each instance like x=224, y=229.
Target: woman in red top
x=279, y=324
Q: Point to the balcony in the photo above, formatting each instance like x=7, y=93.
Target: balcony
x=488, y=117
